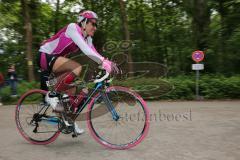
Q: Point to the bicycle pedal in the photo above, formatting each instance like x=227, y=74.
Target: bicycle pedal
x=74, y=135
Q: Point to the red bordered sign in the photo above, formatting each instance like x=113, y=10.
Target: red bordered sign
x=198, y=56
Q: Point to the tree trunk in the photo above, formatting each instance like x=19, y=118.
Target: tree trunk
x=157, y=40
x=200, y=23
x=124, y=20
x=28, y=39
x=126, y=32
x=223, y=32
x=56, y=27
x=143, y=27
x=156, y=27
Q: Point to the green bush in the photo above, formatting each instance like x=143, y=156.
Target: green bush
x=174, y=88
x=183, y=87
x=220, y=87
x=22, y=87
x=148, y=88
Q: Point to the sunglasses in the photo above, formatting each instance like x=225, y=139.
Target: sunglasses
x=94, y=24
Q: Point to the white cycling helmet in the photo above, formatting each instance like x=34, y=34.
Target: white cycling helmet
x=85, y=15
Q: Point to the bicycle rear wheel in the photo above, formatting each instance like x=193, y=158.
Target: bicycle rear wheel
x=35, y=120
x=131, y=126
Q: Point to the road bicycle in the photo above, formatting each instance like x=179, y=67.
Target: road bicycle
x=117, y=117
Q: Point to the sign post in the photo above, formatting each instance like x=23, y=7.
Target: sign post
x=197, y=56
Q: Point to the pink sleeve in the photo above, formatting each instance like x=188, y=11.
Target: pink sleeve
x=74, y=32
x=94, y=49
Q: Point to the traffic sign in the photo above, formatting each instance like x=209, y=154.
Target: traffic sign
x=197, y=67
x=198, y=56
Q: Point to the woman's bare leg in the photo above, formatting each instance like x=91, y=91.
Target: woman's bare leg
x=64, y=65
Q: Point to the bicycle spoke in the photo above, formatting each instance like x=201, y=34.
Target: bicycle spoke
x=29, y=119
x=123, y=132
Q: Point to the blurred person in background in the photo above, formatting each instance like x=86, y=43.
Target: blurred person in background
x=12, y=80
x=1, y=85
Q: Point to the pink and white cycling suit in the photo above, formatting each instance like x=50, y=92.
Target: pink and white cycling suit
x=68, y=40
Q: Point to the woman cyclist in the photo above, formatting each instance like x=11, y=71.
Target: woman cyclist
x=68, y=40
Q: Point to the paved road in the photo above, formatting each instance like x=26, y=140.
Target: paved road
x=179, y=131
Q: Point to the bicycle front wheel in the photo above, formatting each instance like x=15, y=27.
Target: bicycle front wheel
x=34, y=118
x=124, y=124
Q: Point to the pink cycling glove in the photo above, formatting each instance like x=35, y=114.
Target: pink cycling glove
x=110, y=66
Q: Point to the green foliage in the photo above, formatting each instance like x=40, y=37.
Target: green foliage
x=220, y=87
x=210, y=86
x=175, y=88
x=21, y=89
x=164, y=31
x=183, y=87
x=148, y=88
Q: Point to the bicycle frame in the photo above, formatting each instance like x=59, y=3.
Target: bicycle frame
x=99, y=89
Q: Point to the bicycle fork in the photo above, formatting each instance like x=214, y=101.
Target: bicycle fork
x=110, y=106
